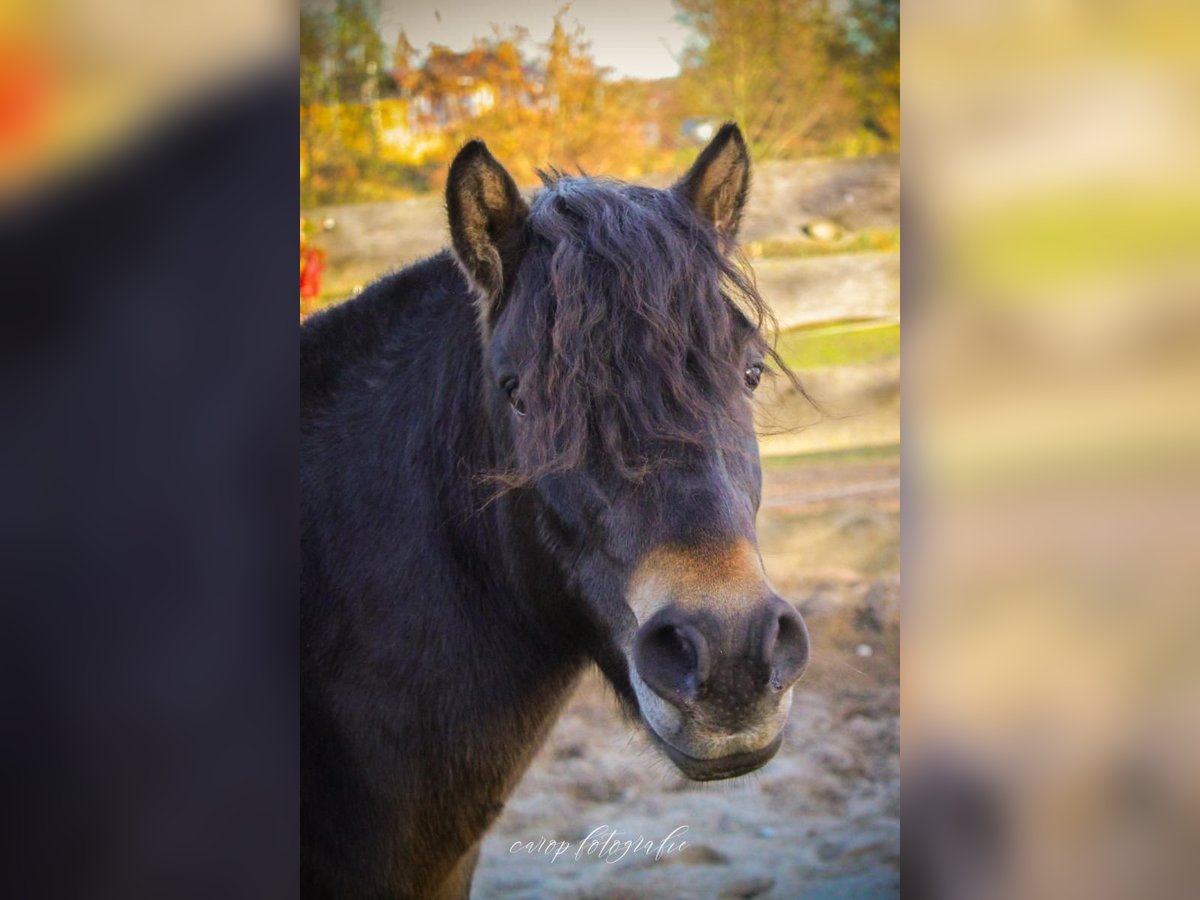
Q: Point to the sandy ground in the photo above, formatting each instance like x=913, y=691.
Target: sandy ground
x=821, y=820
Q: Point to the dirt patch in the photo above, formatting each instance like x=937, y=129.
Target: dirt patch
x=847, y=286
x=854, y=193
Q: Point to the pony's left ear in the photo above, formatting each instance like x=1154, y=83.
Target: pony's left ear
x=719, y=180
x=486, y=214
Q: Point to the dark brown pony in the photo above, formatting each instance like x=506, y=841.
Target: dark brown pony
x=528, y=454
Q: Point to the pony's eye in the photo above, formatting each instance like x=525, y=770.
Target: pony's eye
x=754, y=375
x=514, y=399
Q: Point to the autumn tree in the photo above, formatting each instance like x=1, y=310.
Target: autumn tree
x=870, y=55
x=502, y=65
x=315, y=45
x=769, y=66
x=341, y=69
x=358, y=50
x=403, y=56
x=554, y=105
x=573, y=91
x=537, y=103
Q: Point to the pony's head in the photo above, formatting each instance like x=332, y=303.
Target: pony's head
x=622, y=344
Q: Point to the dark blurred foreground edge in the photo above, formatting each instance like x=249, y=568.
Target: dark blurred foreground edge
x=148, y=515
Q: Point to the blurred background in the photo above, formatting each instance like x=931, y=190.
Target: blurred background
x=1052, y=573
x=391, y=90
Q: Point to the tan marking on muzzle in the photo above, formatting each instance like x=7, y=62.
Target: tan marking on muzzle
x=724, y=578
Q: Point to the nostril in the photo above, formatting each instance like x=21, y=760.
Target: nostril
x=785, y=645
x=672, y=658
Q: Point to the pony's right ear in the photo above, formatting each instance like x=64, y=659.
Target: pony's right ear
x=486, y=214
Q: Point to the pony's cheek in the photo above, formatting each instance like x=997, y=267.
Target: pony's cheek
x=598, y=582
x=575, y=510
x=560, y=536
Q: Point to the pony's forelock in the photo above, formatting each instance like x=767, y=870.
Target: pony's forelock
x=625, y=330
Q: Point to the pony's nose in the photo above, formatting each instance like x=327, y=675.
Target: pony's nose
x=783, y=643
x=672, y=657
x=765, y=649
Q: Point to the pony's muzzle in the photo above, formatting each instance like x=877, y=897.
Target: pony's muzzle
x=691, y=659
x=715, y=657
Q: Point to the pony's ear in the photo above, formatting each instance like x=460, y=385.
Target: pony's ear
x=719, y=180
x=486, y=213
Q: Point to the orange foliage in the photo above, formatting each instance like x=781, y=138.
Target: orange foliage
x=552, y=105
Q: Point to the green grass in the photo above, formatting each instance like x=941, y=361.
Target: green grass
x=841, y=344
x=868, y=453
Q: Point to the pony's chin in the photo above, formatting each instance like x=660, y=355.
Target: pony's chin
x=720, y=767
